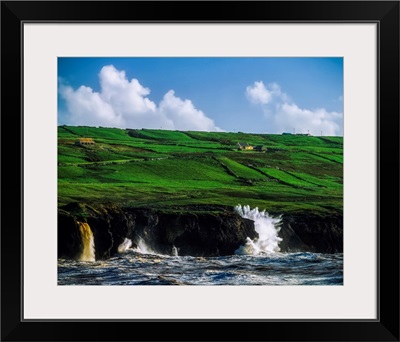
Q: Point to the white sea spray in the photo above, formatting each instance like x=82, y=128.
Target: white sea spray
x=267, y=228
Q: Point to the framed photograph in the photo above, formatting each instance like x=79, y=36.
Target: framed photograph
x=227, y=169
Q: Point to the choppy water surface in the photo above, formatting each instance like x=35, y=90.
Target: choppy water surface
x=257, y=262
x=135, y=268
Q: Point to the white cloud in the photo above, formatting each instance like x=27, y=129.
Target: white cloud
x=124, y=96
x=289, y=116
x=123, y=103
x=86, y=107
x=260, y=94
x=184, y=114
x=283, y=115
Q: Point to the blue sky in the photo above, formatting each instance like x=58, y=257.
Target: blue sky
x=255, y=95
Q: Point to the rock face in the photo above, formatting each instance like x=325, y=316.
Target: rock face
x=193, y=231
x=311, y=233
x=69, y=237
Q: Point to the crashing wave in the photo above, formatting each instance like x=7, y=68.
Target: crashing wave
x=267, y=228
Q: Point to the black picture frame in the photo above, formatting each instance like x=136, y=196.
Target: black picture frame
x=384, y=13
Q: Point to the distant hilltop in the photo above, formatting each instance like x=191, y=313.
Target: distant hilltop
x=88, y=128
x=301, y=134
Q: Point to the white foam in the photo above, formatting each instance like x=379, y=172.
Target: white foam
x=124, y=246
x=174, y=251
x=267, y=229
x=143, y=248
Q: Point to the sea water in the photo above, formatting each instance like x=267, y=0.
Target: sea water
x=257, y=262
x=134, y=268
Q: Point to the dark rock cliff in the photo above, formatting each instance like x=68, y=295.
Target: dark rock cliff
x=312, y=233
x=193, y=231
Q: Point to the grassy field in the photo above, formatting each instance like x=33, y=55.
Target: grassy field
x=171, y=169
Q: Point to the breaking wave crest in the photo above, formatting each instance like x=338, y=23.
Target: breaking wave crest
x=124, y=246
x=267, y=228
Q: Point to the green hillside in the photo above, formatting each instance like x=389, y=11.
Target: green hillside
x=171, y=169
